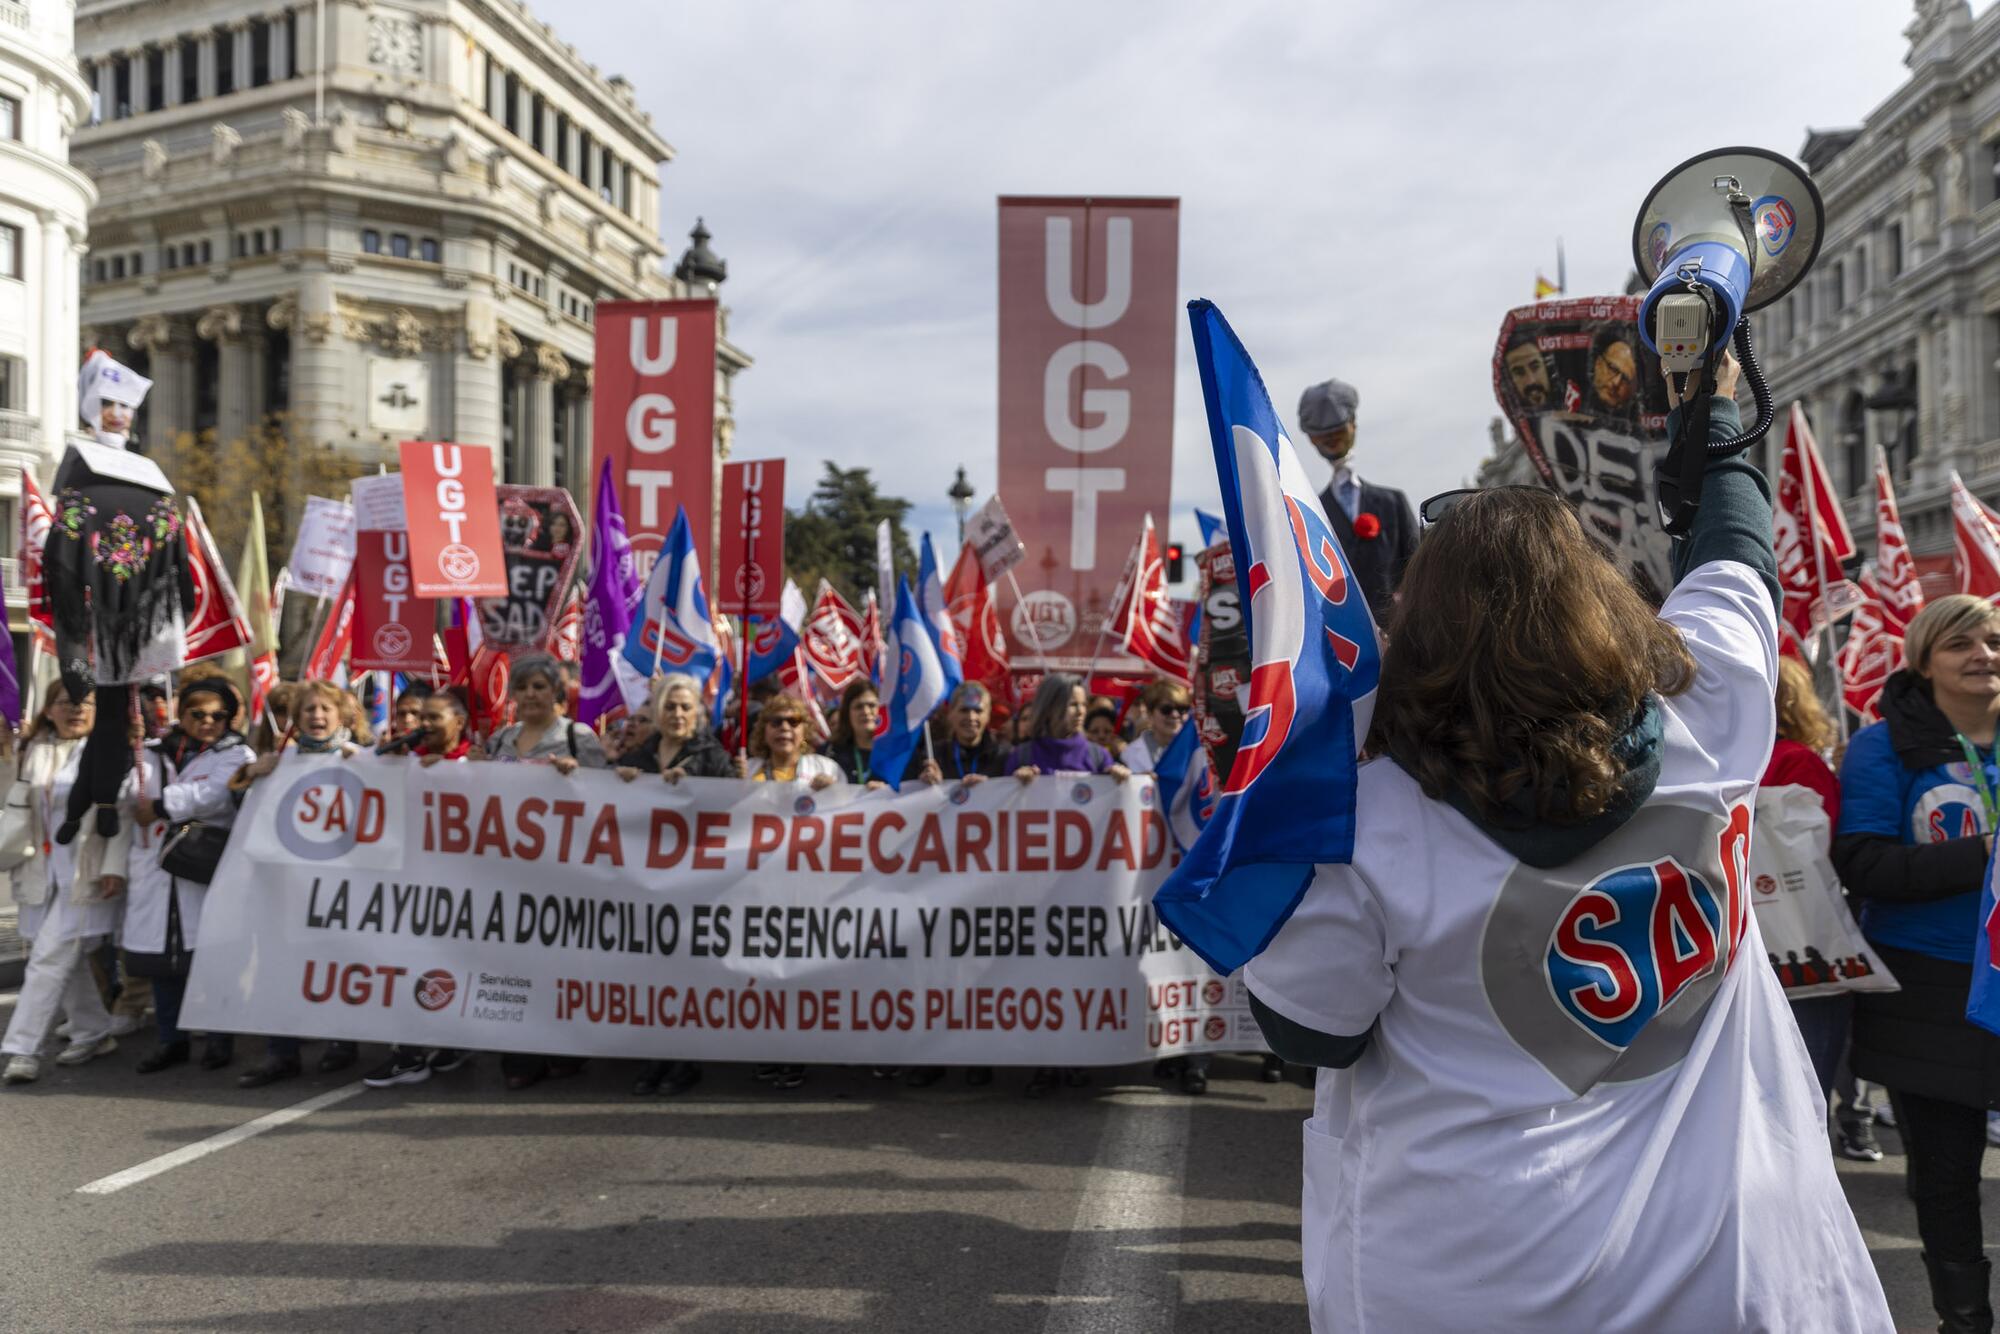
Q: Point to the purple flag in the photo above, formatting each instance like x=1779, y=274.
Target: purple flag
x=10, y=676
x=614, y=597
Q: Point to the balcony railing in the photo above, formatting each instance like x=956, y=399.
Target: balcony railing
x=13, y=12
x=17, y=427
x=17, y=591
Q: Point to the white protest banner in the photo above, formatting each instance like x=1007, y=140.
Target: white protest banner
x=378, y=503
x=323, y=552
x=993, y=539
x=505, y=907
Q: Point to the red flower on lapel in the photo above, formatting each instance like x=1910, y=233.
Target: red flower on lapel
x=1367, y=527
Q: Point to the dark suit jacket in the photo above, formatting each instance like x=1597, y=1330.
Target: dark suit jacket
x=1378, y=562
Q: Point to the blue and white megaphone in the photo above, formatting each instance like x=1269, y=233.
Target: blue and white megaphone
x=1721, y=235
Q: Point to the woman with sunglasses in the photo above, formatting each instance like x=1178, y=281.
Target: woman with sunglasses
x=1560, y=1088
x=1167, y=705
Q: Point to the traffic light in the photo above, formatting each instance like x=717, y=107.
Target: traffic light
x=1176, y=562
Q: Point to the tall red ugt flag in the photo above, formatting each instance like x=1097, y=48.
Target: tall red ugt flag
x=1086, y=397
x=1315, y=664
x=977, y=616
x=1975, y=542
x=1812, y=540
x=1897, y=587
x=1153, y=629
x=652, y=417
x=218, y=623
x=1874, y=648
x=831, y=640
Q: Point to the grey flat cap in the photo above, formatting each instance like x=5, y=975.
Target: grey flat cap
x=1327, y=406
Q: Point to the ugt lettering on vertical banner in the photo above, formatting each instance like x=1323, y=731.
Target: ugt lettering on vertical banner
x=753, y=537
x=453, y=519
x=653, y=415
x=1088, y=327
x=392, y=625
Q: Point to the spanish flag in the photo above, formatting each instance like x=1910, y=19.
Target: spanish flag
x=1544, y=288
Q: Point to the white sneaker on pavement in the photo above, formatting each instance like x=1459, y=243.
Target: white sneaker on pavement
x=124, y=1025
x=76, y=1053
x=62, y=1029
x=22, y=1070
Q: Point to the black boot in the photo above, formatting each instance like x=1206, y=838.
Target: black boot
x=1958, y=1291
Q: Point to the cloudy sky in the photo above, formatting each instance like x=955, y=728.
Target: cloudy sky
x=1366, y=188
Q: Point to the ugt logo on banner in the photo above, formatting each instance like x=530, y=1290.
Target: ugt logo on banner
x=753, y=537
x=653, y=415
x=454, y=520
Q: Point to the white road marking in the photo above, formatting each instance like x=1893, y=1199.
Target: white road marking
x=189, y=1153
x=1131, y=1195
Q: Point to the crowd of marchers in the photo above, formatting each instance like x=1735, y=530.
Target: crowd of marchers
x=113, y=935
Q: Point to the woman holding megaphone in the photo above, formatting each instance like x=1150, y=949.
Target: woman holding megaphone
x=1560, y=1089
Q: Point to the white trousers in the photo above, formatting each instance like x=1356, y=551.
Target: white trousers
x=58, y=978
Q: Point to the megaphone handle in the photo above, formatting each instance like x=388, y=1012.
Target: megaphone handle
x=1679, y=475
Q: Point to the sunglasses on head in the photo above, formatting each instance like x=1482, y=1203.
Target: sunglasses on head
x=1443, y=502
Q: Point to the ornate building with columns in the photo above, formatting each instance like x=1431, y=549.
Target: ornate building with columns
x=44, y=210
x=375, y=222
x=1893, y=340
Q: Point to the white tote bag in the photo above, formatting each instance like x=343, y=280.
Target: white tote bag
x=1810, y=936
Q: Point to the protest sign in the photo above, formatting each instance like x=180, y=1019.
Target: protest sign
x=752, y=573
x=1586, y=397
x=324, y=549
x=504, y=907
x=538, y=538
x=453, y=518
x=653, y=416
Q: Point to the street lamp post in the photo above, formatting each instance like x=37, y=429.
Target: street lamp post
x=961, y=501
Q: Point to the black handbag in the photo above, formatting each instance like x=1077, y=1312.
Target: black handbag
x=193, y=850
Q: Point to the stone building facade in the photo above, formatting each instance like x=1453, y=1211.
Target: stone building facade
x=44, y=213
x=1893, y=340
x=391, y=222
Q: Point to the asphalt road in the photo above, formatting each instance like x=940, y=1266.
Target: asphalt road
x=848, y=1204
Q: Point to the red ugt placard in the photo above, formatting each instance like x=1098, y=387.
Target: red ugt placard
x=392, y=626
x=454, y=520
x=753, y=537
x=653, y=416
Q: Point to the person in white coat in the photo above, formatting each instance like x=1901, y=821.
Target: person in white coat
x=1560, y=1089
x=176, y=780
x=67, y=907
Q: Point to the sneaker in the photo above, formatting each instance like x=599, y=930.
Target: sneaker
x=447, y=1059
x=1856, y=1141
x=1885, y=1114
x=411, y=1067
x=163, y=1057
x=789, y=1077
x=764, y=1074
x=337, y=1057
x=271, y=1071
x=76, y=1053
x=124, y=1025
x=1274, y=1070
x=22, y=1070
x=62, y=1030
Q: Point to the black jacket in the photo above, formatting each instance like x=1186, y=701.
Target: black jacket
x=702, y=757
x=988, y=758
x=1378, y=561
x=852, y=760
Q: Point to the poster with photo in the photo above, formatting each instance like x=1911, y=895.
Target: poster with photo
x=540, y=536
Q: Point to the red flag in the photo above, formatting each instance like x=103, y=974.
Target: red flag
x=216, y=623
x=566, y=639
x=1975, y=540
x=36, y=519
x=263, y=675
x=1152, y=629
x=1874, y=649
x=1896, y=585
x=330, y=650
x=489, y=676
x=871, y=639
x=1812, y=540
x=831, y=639
x=975, y=613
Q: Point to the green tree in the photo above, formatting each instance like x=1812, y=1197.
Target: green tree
x=833, y=537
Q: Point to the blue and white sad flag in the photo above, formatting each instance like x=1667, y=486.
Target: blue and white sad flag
x=1211, y=528
x=1287, y=802
x=912, y=687
x=673, y=631
x=937, y=616
x=1186, y=785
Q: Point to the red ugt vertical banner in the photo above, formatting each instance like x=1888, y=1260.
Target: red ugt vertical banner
x=1089, y=320
x=752, y=572
x=653, y=415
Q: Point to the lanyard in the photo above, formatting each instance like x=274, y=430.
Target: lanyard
x=1987, y=798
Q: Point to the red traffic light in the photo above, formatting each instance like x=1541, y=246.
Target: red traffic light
x=1176, y=562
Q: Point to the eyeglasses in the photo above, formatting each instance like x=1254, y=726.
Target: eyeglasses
x=1172, y=710
x=1443, y=502
x=206, y=716
x=781, y=722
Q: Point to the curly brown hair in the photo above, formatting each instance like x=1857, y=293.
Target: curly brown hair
x=1518, y=656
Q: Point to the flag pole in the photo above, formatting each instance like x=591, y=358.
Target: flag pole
x=312, y=635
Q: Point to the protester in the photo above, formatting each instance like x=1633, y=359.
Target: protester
x=65, y=910
x=1056, y=745
x=541, y=735
x=965, y=748
x=320, y=710
x=1101, y=726
x=1168, y=704
x=1805, y=734
x=1525, y=985
x=189, y=769
x=406, y=715
x=1054, y=742
x=1374, y=525
x=683, y=747
x=853, y=738
x=539, y=731
x=1916, y=830
x=777, y=747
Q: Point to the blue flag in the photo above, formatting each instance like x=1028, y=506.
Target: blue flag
x=913, y=682
x=1186, y=785
x=673, y=631
x=1211, y=528
x=937, y=618
x=1314, y=667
